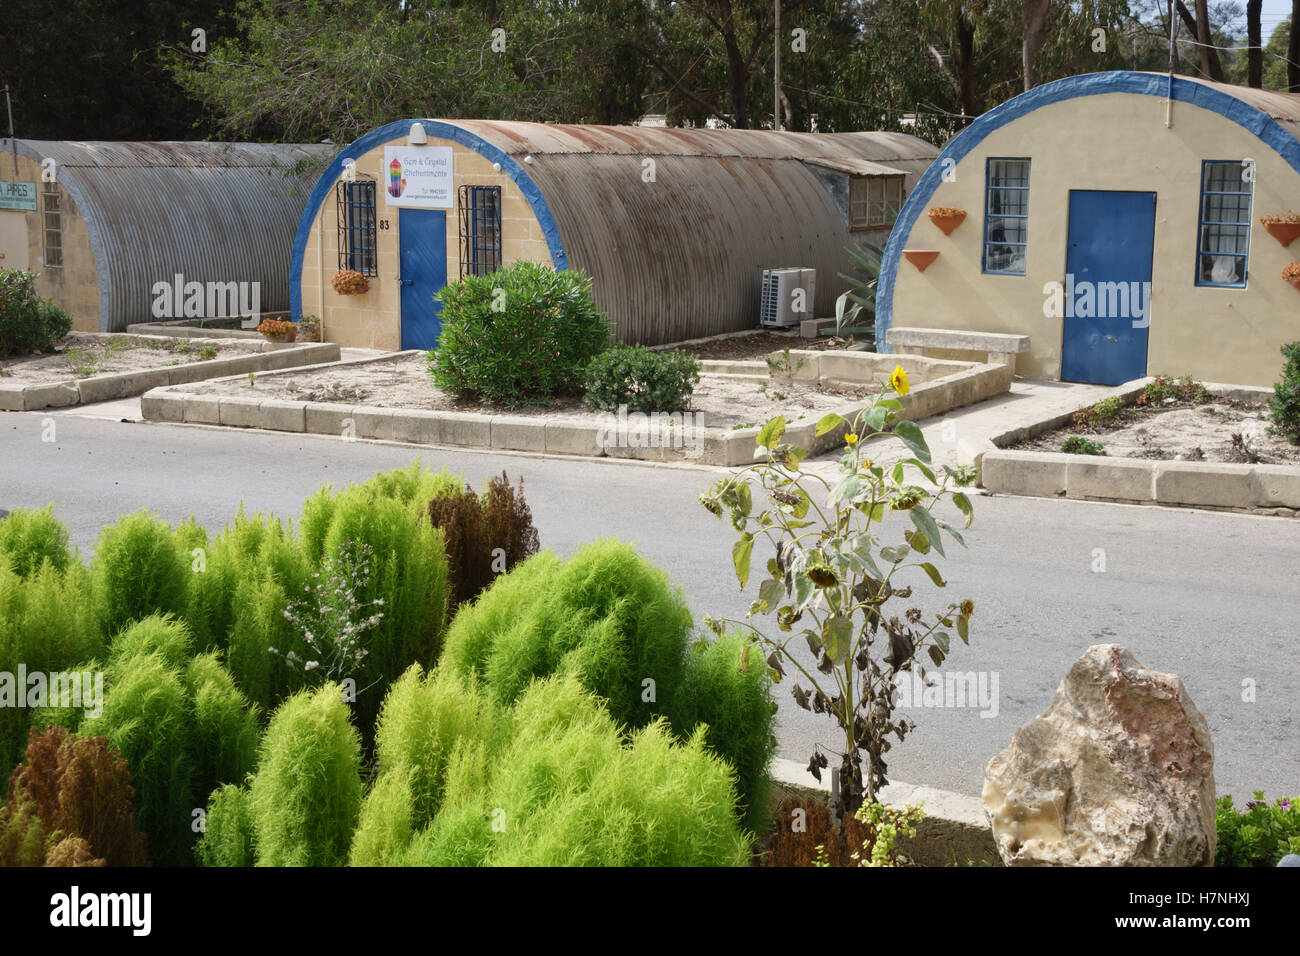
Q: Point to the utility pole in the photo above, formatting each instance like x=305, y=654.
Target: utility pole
x=776, y=73
x=13, y=144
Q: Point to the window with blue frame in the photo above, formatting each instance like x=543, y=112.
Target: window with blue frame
x=1006, y=216
x=356, y=214
x=480, y=230
x=1223, y=231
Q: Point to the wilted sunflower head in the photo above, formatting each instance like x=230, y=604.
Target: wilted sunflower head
x=711, y=503
x=898, y=381
x=907, y=499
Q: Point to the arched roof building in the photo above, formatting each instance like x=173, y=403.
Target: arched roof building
x=674, y=225
x=104, y=223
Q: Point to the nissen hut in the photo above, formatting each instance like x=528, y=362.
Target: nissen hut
x=674, y=225
x=1113, y=218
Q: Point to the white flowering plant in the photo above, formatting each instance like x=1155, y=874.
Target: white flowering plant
x=331, y=619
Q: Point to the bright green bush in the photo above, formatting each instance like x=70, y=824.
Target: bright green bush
x=406, y=584
x=612, y=619
x=46, y=624
x=28, y=323
x=1284, y=405
x=606, y=614
x=28, y=538
x=147, y=717
x=522, y=334
x=642, y=379
x=225, y=729
x=566, y=789
x=160, y=634
x=730, y=698
x=139, y=568
x=1259, y=835
x=228, y=830
x=306, y=794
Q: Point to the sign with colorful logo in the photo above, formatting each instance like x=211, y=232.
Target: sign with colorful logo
x=19, y=196
x=419, y=177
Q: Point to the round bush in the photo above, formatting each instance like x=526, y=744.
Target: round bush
x=27, y=322
x=522, y=334
x=642, y=379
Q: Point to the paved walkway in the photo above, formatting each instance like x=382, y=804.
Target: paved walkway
x=956, y=437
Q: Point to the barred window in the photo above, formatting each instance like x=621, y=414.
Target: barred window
x=874, y=201
x=356, y=214
x=52, y=212
x=1223, y=233
x=480, y=230
x=1006, y=216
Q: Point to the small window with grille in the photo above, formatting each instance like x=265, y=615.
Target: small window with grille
x=52, y=211
x=874, y=201
x=356, y=214
x=480, y=230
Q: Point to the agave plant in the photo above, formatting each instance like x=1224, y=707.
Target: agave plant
x=860, y=299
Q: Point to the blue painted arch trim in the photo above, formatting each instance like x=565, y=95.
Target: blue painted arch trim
x=397, y=130
x=1243, y=114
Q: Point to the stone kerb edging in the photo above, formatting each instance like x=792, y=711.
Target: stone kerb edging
x=1193, y=484
x=612, y=436
x=114, y=385
x=955, y=829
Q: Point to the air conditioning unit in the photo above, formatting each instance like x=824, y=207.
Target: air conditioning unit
x=787, y=297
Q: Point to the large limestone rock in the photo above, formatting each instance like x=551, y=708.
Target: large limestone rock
x=1118, y=771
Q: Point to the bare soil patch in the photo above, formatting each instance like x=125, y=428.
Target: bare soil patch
x=722, y=401
x=752, y=346
x=1220, y=430
x=81, y=355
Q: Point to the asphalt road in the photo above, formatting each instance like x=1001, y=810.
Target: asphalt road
x=1212, y=597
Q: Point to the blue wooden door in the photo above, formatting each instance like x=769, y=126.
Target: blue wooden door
x=1108, y=286
x=423, y=237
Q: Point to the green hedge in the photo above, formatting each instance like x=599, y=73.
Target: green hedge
x=28, y=323
x=643, y=380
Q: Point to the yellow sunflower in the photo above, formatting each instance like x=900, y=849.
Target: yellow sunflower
x=898, y=381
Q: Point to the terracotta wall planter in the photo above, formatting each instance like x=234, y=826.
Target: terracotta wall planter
x=920, y=257
x=948, y=222
x=1283, y=232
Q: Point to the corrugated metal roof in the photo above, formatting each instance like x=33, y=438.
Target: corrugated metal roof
x=212, y=212
x=857, y=167
x=681, y=256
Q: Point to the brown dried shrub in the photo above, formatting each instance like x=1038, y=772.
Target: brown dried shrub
x=474, y=526
x=73, y=851
x=788, y=847
x=78, y=787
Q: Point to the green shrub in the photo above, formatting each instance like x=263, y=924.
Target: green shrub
x=1107, y=409
x=1260, y=835
x=1284, y=405
x=483, y=535
x=730, y=697
x=70, y=787
x=46, y=624
x=159, y=634
x=568, y=790
x=1163, y=388
x=612, y=619
x=522, y=334
x=228, y=830
x=28, y=538
x=1079, y=445
x=606, y=614
x=147, y=717
x=642, y=379
x=406, y=581
x=139, y=568
x=27, y=322
x=225, y=729
x=307, y=792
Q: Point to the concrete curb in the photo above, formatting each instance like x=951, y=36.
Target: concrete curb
x=103, y=388
x=1274, y=489
x=949, y=385
x=955, y=829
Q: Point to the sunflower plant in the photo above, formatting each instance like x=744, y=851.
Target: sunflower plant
x=838, y=583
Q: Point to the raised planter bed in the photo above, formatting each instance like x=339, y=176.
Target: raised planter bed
x=937, y=387
x=1232, y=486
x=35, y=384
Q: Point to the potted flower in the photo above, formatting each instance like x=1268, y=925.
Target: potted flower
x=278, y=331
x=1292, y=273
x=350, y=282
x=1282, y=228
x=947, y=218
